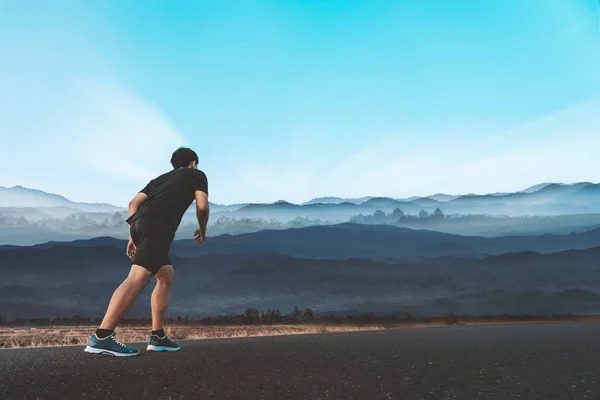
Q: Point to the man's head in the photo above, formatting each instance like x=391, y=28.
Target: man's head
x=184, y=158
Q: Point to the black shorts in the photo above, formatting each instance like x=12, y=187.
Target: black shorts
x=152, y=237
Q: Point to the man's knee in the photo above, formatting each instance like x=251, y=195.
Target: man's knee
x=140, y=280
x=166, y=275
x=140, y=275
x=165, y=280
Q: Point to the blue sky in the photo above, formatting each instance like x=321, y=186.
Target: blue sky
x=299, y=99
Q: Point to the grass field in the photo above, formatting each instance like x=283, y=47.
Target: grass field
x=42, y=336
x=64, y=336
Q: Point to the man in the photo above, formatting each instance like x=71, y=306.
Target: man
x=154, y=216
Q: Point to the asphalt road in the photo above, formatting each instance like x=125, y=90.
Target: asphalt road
x=537, y=361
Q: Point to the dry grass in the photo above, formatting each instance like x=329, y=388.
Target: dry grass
x=66, y=336
x=16, y=337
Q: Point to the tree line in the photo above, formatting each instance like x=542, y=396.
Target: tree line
x=398, y=217
x=116, y=220
x=253, y=316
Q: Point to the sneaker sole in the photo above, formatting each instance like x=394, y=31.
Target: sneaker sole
x=93, y=350
x=152, y=347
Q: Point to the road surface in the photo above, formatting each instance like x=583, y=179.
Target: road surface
x=533, y=361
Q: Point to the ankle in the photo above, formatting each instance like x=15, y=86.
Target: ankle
x=159, y=332
x=104, y=333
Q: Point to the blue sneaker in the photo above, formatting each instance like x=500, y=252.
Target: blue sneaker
x=109, y=345
x=157, y=343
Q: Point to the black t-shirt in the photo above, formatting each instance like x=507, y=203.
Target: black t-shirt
x=171, y=194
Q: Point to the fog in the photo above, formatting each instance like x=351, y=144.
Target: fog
x=30, y=216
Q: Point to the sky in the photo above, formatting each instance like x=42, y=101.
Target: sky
x=292, y=100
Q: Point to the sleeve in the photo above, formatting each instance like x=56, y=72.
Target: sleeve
x=200, y=182
x=148, y=188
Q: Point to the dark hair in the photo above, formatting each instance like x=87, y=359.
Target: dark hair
x=182, y=157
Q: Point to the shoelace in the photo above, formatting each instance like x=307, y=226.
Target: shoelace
x=118, y=342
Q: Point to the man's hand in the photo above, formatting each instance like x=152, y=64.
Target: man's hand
x=199, y=236
x=131, y=249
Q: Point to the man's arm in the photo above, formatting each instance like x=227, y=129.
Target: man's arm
x=202, y=210
x=202, y=206
x=135, y=203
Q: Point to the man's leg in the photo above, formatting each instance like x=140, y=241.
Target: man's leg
x=125, y=295
x=160, y=296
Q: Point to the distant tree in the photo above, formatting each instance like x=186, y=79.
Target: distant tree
x=397, y=213
x=450, y=319
x=358, y=219
x=275, y=315
x=408, y=316
x=223, y=221
x=298, y=222
x=295, y=313
x=252, y=315
x=2, y=320
x=116, y=219
x=379, y=217
x=438, y=214
x=308, y=314
x=423, y=214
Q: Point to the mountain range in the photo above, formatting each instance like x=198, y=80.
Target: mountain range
x=62, y=279
x=332, y=267
x=19, y=196
x=30, y=216
x=344, y=241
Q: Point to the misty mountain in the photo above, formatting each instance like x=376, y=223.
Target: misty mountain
x=484, y=215
x=544, y=199
x=19, y=196
x=16, y=231
x=493, y=226
x=442, y=197
x=376, y=242
x=546, y=194
x=380, y=243
x=427, y=202
x=549, y=193
x=336, y=200
x=537, y=187
x=283, y=210
x=65, y=280
x=54, y=205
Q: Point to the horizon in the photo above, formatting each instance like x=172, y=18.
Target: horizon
x=543, y=185
x=300, y=100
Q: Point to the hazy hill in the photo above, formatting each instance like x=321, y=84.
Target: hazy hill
x=375, y=242
x=19, y=196
x=381, y=242
x=547, y=193
x=442, y=197
x=544, y=199
x=535, y=188
x=57, y=218
x=336, y=200
x=67, y=280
